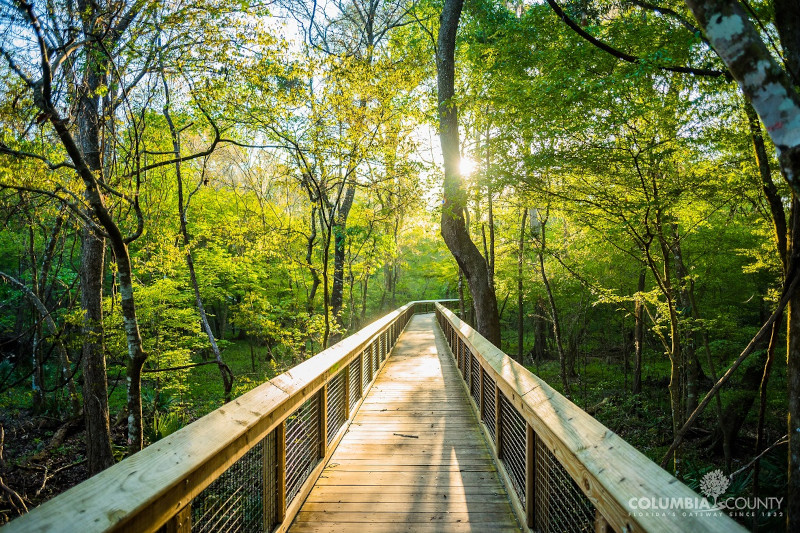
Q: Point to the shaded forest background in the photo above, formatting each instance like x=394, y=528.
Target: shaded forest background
x=198, y=195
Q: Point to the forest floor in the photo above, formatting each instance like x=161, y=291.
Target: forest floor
x=43, y=455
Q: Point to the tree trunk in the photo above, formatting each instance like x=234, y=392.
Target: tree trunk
x=326, y=291
x=339, y=237
x=364, y=287
x=490, y=257
x=520, y=308
x=315, y=281
x=775, y=203
x=793, y=380
x=690, y=363
x=638, y=333
x=454, y=231
x=787, y=22
x=99, y=454
x=768, y=87
x=562, y=356
x=540, y=332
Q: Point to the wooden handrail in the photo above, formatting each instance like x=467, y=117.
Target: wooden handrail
x=146, y=490
x=607, y=469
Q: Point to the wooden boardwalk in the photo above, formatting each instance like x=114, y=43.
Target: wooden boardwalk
x=414, y=458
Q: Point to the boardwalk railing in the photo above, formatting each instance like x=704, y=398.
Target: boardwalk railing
x=564, y=470
x=247, y=466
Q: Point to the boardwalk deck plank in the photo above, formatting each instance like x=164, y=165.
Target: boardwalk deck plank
x=414, y=458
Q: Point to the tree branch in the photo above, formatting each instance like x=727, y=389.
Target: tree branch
x=627, y=57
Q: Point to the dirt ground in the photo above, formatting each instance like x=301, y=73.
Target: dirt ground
x=40, y=457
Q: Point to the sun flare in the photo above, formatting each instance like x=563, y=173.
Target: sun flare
x=468, y=166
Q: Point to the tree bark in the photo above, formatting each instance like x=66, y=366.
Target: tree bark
x=339, y=237
x=562, y=356
x=315, y=281
x=775, y=203
x=638, y=333
x=454, y=230
x=99, y=454
x=520, y=308
x=768, y=87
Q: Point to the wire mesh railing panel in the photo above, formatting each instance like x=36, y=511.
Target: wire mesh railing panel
x=356, y=365
x=512, y=447
x=337, y=412
x=475, y=382
x=488, y=406
x=235, y=500
x=560, y=506
x=302, y=445
x=376, y=355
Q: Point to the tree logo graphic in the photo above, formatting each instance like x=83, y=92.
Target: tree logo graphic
x=714, y=484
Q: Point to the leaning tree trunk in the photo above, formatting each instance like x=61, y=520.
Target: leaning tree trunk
x=47, y=318
x=454, y=230
x=768, y=87
x=99, y=211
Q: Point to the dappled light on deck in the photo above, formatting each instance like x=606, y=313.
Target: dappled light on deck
x=414, y=458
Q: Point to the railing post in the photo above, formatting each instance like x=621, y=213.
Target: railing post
x=498, y=427
x=600, y=523
x=280, y=442
x=347, y=391
x=181, y=522
x=323, y=421
x=530, y=474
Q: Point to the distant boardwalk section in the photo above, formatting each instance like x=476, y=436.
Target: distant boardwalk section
x=414, y=458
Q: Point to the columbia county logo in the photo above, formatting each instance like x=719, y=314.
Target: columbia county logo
x=714, y=484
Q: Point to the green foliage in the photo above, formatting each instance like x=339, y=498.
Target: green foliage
x=163, y=425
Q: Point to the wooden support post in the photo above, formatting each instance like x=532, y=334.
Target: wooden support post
x=181, y=522
x=600, y=523
x=530, y=475
x=280, y=442
x=323, y=420
x=498, y=427
x=347, y=392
